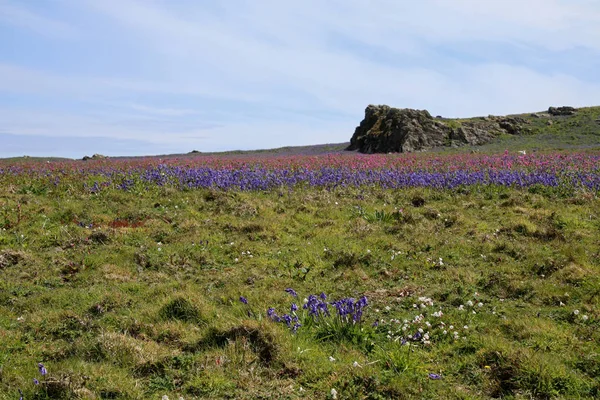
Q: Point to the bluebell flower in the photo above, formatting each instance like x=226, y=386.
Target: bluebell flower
x=21, y=393
x=243, y=300
x=294, y=307
x=36, y=382
x=291, y=291
x=42, y=369
x=363, y=301
x=323, y=296
x=287, y=319
x=435, y=376
x=273, y=315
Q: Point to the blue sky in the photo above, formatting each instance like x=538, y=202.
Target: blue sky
x=135, y=77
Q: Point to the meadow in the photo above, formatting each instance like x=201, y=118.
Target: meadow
x=333, y=276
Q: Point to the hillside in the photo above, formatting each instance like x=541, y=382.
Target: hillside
x=541, y=131
x=387, y=129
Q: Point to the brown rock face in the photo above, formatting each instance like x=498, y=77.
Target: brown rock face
x=385, y=129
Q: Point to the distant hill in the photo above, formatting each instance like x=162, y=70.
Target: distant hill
x=387, y=129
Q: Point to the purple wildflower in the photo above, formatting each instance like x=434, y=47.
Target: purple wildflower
x=21, y=393
x=36, y=382
x=42, y=369
x=294, y=307
x=435, y=376
x=287, y=319
x=291, y=291
x=243, y=300
x=273, y=315
x=375, y=324
x=323, y=296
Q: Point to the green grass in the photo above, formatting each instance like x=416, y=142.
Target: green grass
x=146, y=303
x=545, y=132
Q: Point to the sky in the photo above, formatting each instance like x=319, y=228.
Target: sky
x=142, y=77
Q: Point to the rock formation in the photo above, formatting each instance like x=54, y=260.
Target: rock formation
x=386, y=129
x=565, y=110
x=94, y=157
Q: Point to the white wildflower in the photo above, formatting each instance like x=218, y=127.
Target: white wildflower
x=333, y=394
x=331, y=359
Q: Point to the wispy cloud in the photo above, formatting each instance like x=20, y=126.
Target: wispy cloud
x=169, y=112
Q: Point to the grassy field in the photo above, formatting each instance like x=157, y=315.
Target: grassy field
x=137, y=295
x=135, y=286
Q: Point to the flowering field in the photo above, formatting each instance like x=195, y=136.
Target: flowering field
x=573, y=170
x=338, y=276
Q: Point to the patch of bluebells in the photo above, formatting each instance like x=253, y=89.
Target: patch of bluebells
x=291, y=320
x=575, y=170
x=348, y=310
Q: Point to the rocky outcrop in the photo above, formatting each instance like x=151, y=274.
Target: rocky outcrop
x=386, y=129
x=565, y=110
x=94, y=157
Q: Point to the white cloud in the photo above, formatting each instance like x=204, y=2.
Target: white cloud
x=168, y=112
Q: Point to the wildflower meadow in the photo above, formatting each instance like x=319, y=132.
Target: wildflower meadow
x=335, y=276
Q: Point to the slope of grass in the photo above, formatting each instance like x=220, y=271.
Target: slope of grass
x=137, y=295
x=546, y=132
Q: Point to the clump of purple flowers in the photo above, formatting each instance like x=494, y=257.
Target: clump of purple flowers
x=349, y=310
x=317, y=306
x=291, y=321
